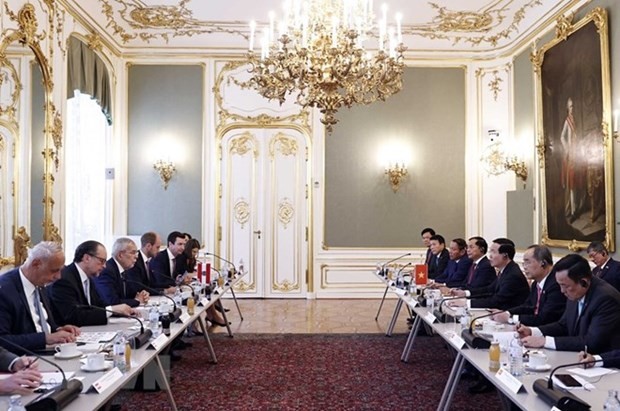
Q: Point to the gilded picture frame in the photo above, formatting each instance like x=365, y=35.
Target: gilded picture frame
x=574, y=133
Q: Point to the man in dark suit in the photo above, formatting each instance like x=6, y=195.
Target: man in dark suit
x=480, y=273
x=111, y=284
x=546, y=303
x=26, y=318
x=455, y=273
x=440, y=258
x=426, y=235
x=592, y=315
x=75, y=289
x=510, y=289
x=150, y=243
x=606, y=268
x=169, y=263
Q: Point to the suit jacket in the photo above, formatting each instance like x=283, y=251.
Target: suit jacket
x=160, y=270
x=456, y=272
x=438, y=264
x=552, y=303
x=67, y=293
x=598, y=326
x=484, y=274
x=611, y=359
x=137, y=274
x=610, y=273
x=6, y=358
x=111, y=287
x=16, y=322
x=510, y=289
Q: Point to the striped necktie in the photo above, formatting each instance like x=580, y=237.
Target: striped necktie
x=40, y=311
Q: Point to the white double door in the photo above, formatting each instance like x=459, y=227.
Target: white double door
x=264, y=209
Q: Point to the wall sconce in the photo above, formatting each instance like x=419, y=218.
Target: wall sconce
x=166, y=170
x=396, y=173
x=496, y=161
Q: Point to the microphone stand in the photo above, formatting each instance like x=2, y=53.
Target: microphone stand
x=387, y=287
x=140, y=339
x=232, y=291
x=561, y=398
x=471, y=338
x=176, y=311
x=57, y=397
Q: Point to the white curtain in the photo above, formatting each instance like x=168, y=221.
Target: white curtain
x=87, y=136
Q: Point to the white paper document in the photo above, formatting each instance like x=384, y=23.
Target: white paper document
x=591, y=372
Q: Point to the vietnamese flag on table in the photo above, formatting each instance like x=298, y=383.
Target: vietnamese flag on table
x=421, y=274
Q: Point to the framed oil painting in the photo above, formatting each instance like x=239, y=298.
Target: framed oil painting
x=574, y=134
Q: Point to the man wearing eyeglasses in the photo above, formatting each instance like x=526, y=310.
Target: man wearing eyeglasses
x=76, y=289
x=111, y=284
x=26, y=316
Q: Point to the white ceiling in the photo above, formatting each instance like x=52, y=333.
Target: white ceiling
x=434, y=28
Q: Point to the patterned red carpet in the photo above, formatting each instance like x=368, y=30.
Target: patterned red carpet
x=310, y=372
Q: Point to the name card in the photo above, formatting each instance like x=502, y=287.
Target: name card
x=511, y=382
x=218, y=290
x=391, y=283
x=158, y=342
x=107, y=380
x=457, y=340
x=185, y=317
x=400, y=291
x=412, y=303
x=430, y=318
x=204, y=302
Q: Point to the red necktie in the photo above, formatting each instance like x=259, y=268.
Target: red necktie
x=470, y=277
x=538, y=299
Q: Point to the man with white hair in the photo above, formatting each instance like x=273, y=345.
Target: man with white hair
x=111, y=284
x=26, y=318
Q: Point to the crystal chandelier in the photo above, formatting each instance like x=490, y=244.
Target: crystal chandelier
x=319, y=54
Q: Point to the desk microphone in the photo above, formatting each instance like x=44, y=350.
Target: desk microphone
x=140, y=339
x=561, y=398
x=471, y=338
x=441, y=316
x=225, y=260
x=176, y=311
x=382, y=271
x=57, y=397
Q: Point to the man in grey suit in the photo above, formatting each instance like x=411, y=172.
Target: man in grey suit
x=25, y=376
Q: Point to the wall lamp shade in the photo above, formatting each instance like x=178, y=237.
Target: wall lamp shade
x=166, y=170
x=396, y=174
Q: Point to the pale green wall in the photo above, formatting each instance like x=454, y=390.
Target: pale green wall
x=165, y=100
x=360, y=208
x=37, y=168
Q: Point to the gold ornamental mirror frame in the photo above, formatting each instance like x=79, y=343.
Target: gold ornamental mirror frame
x=574, y=143
x=26, y=35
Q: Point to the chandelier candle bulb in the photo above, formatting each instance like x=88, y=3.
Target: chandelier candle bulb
x=399, y=19
x=252, y=31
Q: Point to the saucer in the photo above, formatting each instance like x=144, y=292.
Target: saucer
x=544, y=367
x=106, y=366
x=60, y=356
x=89, y=348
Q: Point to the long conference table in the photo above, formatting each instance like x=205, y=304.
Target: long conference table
x=148, y=354
x=526, y=399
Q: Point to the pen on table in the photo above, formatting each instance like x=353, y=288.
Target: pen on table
x=585, y=354
x=30, y=363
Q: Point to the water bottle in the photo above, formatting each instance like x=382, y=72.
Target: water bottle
x=465, y=319
x=178, y=298
x=153, y=319
x=119, y=352
x=15, y=403
x=611, y=404
x=241, y=268
x=430, y=302
x=516, y=357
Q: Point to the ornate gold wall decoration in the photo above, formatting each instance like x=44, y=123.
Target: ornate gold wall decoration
x=287, y=146
x=285, y=286
x=21, y=243
x=225, y=117
x=244, y=286
x=243, y=144
x=8, y=71
x=285, y=212
x=93, y=41
x=495, y=85
x=242, y=212
x=158, y=22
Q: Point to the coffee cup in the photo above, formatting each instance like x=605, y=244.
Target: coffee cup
x=95, y=361
x=67, y=349
x=537, y=359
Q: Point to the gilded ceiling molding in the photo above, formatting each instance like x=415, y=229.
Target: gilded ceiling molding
x=449, y=24
x=93, y=41
x=159, y=22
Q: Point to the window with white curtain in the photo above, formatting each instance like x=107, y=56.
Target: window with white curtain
x=87, y=140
